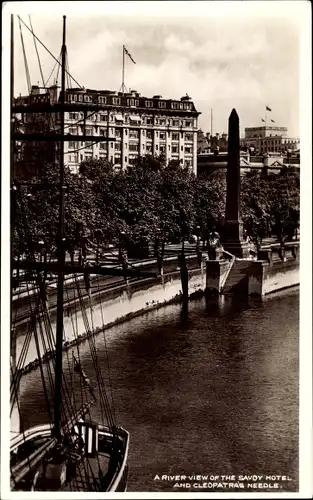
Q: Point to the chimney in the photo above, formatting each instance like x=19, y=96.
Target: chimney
x=35, y=90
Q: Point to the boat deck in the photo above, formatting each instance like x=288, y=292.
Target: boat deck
x=86, y=476
x=89, y=471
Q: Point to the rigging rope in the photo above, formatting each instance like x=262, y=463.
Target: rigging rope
x=29, y=29
x=104, y=403
x=106, y=352
x=58, y=62
x=39, y=62
x=29, y=85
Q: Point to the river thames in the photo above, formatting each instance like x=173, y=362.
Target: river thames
x=216, y=393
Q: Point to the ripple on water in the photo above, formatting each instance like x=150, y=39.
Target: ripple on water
x=217, y=393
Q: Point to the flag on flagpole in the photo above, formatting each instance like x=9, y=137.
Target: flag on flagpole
x=126, y=52
x=273, y=121
x=263, y=120
x=268, y=109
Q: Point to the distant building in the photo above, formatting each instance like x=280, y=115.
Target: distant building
x=137, y=125
x=219, y=143
x=212, y=144
x=29, y=156
x=270, y=162
x=269, y=139
x=202, y=142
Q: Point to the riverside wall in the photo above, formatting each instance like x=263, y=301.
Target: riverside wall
x=109, y=306
x=114, y=302
x=280, y=269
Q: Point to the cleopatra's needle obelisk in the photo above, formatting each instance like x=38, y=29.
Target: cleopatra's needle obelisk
x=232, y=238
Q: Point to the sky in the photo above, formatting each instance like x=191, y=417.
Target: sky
x=247, y=57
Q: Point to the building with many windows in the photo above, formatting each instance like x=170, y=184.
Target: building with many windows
x=131, y=126
x=270, y=139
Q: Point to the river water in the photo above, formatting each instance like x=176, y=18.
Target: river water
x=212, y=394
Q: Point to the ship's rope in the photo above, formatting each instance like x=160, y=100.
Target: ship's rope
x=34, y=321
x=21, y=427
x=70, y=400
x=21, y=361
x=46, y=320
x=33, y=314
x=58, y=61
x=29, y=85
x=93, y=330
x=106, y=351
x=45, y=316
x=104, y=404
x=36, y=49
x=44, y=46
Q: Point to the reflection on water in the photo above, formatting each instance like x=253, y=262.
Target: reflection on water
x=214, y=393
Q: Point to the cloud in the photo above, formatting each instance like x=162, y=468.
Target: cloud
x=222, y=63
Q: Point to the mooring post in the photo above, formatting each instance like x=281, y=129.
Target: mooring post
x=184, y=276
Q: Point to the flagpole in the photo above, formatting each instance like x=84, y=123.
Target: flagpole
x=123, y=70
x=265, y=129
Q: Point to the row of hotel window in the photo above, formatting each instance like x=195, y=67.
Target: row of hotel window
x=98, y=99
x=74, y=158
x=145, y=120
x=132, y=147
x=134, y=134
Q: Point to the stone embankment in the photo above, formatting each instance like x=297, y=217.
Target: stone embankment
x=113, y=300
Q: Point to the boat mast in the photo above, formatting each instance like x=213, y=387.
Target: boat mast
x=12, y=146
x=61, y=258
x=123, y=71
x=12, y=142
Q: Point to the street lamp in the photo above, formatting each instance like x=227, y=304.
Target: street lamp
x=198, y=251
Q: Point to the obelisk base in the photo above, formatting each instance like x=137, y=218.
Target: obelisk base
x=233, y=240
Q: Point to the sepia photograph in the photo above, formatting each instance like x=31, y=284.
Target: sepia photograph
x=153, y=155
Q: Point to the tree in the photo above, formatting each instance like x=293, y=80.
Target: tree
x=99, y=177
x=256, y=206
x=175, y=203
x=285, y=203
x=267, y=201
x=209, y=201
x=37, y=211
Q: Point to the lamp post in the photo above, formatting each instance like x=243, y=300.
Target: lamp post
x=123, y=254
x=198, y=250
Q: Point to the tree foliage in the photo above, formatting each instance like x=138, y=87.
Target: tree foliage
x=270, y=204
x=151, y=202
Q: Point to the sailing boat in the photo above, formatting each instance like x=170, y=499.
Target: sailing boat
x=79, y=447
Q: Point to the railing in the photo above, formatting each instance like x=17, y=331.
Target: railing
x=278, y=251
x=232, y=260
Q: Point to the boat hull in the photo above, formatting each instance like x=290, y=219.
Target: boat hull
x=29, y=452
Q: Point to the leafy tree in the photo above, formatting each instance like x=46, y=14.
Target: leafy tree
x=209, y=201
x=36, y=212
x=152, y=202
x=256, y=206
x=285, y=203
x=175, y=203
x=267, y=201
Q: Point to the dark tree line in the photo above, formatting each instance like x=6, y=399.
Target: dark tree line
x=152, y=203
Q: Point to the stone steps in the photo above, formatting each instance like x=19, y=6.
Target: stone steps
x=237, y=280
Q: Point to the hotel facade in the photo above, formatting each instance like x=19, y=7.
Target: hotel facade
x=131, y=125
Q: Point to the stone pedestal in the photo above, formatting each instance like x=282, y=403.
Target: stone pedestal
x=256, y=280
x=233, y=241
x=215, y=272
